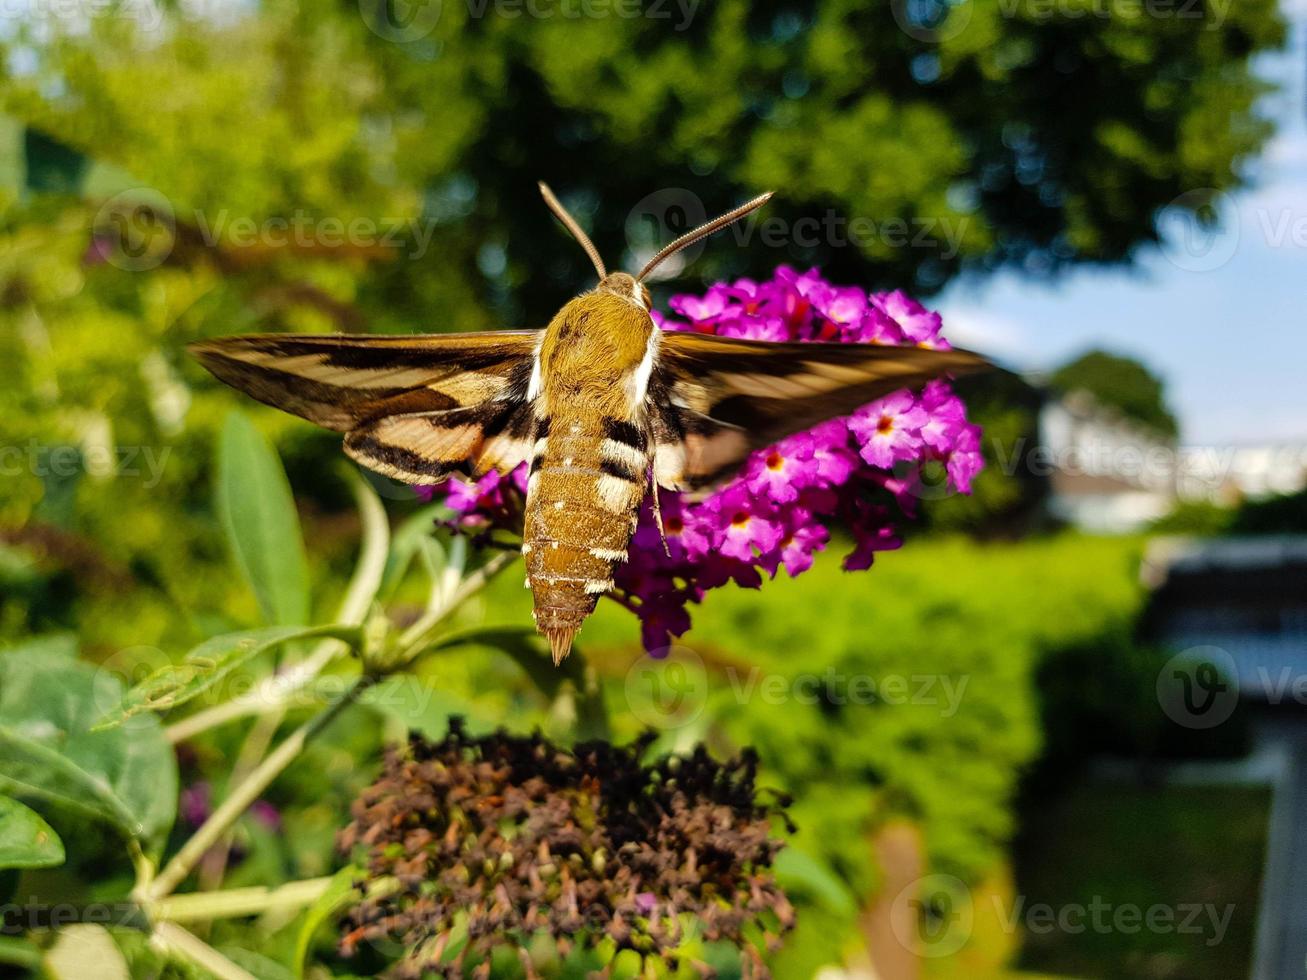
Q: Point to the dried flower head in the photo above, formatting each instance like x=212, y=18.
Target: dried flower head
x=510, y=838
x=777, y=512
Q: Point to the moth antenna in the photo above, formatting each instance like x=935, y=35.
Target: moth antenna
x=570, y=224
x=703, y=231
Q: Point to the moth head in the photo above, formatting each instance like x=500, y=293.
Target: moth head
x=632, y=287
x=626, y=286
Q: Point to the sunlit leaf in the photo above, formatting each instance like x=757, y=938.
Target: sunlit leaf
x=798, y=870
x=256, y=964
x=258, y=513
x=207, y=665
x=337, y=892
x=85, y=950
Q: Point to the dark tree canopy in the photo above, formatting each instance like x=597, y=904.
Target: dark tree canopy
x=908, y=142
x=1121, y=383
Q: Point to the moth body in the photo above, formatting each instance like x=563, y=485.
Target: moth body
x=591, y=455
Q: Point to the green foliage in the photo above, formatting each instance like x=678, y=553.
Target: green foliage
x=173, y=685
x=1279, y=514
x=1127, y=847
x=258, y=514
x=1286, y=514
x=1098, y=697
x=83, y=950
x=299, y=115
x=940, y=140
x=1194, y=517
x=1121, y=383
x=320, y=912
x=26, y=841
x=126, y=778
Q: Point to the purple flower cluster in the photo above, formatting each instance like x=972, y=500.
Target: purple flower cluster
x=778, y=510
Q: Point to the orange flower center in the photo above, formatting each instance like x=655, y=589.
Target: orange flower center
x=885, y=426
x=741, y=519
x=775, y=461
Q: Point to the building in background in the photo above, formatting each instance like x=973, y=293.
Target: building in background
x=1107, y=474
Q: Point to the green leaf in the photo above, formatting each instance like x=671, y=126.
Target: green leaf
x=127, y=777
x=26, y=841
x=17, y=951
x=405, y=545
x=571, y=687
x=258, y=513
x=424, y=708
x=796, y=869
x=336, y=894
x=256, y=964
x=206, y=665
x=49, y=645
x=85, y=950
x=521, y=643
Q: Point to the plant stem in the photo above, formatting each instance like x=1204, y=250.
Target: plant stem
x=373, y=551
x=252, y=752
x=173, y=938
x=237, y=902
x=242, y=795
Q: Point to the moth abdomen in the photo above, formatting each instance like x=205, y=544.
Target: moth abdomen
x=584, y=495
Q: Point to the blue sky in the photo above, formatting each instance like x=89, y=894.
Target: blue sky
x=1223, y=320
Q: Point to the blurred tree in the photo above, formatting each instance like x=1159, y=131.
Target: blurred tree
x=1285, y=514
x=1007, y=497
x=909, y=141
x=1121, y=383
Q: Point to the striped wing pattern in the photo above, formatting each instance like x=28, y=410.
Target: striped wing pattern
x=716, y=399
x=416, y=408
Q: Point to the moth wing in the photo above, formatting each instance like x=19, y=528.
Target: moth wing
x=716, y=399
x=426, y=447
x=341, y=381
x=415, y=408
x=693, y=452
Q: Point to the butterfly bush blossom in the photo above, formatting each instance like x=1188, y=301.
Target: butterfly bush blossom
x=854, y=472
